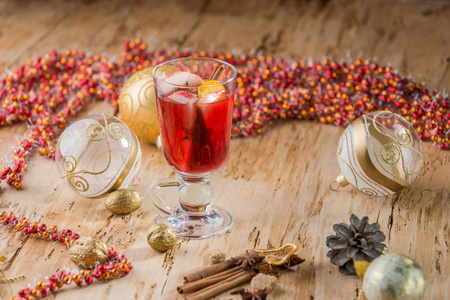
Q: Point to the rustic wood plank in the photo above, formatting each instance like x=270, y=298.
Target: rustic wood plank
x=23, y=25
x=276, y=184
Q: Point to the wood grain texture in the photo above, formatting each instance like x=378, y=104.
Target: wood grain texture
x=277, y=184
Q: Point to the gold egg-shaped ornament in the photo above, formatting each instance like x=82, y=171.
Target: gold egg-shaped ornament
x=379, y=153
x=161, y=237
x=86, y=252
x=394, y=277
x=97, y=155
x=123, y=202
x=137, y=104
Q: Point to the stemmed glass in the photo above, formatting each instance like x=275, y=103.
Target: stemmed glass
x=195, y=128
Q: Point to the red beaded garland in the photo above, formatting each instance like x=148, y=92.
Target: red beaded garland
x=47, y=91
x=43, y=289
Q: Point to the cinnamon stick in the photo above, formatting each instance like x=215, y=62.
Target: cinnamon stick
x=211, y=270
x=202, y=283
x=223, y=266
x=217, y=73
x=223, y=286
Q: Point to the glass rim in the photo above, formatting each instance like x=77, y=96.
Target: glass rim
x=195, y=58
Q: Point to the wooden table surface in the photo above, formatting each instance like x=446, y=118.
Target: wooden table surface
x=276, y=184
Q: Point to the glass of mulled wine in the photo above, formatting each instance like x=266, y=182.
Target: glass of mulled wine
x=195, y=98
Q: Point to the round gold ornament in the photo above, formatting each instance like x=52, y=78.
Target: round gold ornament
x=394, y=277
x=97, y=155
x=87, y=251
x=123, y=201
x=137, y=104
x=379, y=153
x=162, y=237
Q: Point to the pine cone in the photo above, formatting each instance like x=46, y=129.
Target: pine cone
x=359, y=241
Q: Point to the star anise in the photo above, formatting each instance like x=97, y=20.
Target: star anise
x=293, y=261
x=249, y=260
x=251, y=295
x=266, y=268
x=357, y=241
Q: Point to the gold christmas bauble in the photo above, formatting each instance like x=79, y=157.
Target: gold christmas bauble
x=162, y=237
x=87, y=251
x=137, y=105
x=123, y=201
x=379, y=153
x=394, y=277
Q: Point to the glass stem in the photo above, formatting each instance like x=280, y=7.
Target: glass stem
x=195, y=195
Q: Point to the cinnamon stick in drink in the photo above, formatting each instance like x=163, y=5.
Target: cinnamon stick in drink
x=217, y=73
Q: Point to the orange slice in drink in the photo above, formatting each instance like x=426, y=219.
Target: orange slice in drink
x=210, y=87
x=278, y=256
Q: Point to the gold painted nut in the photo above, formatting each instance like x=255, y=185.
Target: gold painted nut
x=123, y=202
x=161, y=237
x=87, y=251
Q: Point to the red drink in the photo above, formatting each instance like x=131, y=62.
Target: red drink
x=195, y=136
x=195, y=98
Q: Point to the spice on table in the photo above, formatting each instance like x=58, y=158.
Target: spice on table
x=244, y=259
x=213, y=256
x=223, y=286
x=278, y=256
x=213, y=280
x=251, y=295
x=294, y=260
x=264, y=282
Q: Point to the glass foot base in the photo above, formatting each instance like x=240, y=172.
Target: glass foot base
x=196, y=227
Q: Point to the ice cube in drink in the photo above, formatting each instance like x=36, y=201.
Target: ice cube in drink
x=181, y=79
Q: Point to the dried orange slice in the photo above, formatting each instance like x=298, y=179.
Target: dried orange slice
x=210, y=87
x=278, y=256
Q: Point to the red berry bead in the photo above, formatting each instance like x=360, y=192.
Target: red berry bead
x=32, y=229
x=89, y=280
x=61, y=274
x=97, y=274
x=24, y=292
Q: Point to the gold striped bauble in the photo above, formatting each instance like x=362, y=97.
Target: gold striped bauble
x=379, y=153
